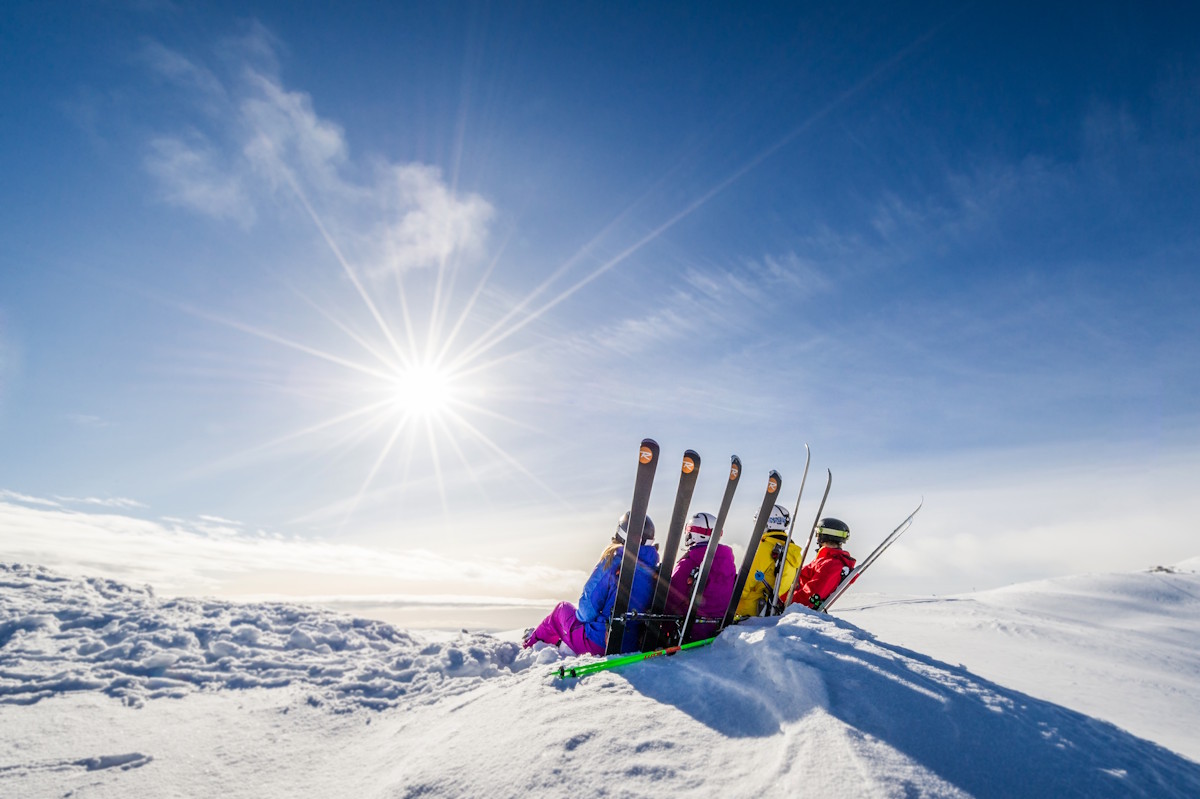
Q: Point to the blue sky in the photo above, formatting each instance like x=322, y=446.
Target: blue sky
x=421, y=277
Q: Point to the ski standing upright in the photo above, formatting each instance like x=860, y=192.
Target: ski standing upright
x=776, y=604
x=689, y=471
x=774, y=483
x=647, y=464
x=787, y=598
x=689, y=618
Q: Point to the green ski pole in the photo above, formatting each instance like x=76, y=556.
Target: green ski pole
x=565, y=672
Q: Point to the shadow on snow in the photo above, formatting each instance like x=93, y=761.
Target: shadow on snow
x=984, y=738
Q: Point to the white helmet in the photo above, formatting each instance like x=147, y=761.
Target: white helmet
x=699, y=531
x=778, y=520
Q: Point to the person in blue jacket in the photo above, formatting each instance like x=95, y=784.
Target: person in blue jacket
x=585, y=628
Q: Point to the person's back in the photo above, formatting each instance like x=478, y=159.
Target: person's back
x=831, y=565
x=584, y=629
x=600, y=593
x=718, y=590
x=758, y=593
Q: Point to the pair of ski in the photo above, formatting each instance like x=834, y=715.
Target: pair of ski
x=619, y=638
x=869, y=559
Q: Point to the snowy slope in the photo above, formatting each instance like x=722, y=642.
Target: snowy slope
x=106, y=690
x=1121, y=647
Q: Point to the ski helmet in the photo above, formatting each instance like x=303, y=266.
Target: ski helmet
x=623, y=528
x=778, y=520
x=699, y=530
x=831, y=529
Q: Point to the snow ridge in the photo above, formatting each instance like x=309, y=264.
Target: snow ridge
x=60, y=635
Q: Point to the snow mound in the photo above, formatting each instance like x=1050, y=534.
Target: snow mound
x=60, y=635
x=803, y=704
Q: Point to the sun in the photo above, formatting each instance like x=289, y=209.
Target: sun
x=423, y=390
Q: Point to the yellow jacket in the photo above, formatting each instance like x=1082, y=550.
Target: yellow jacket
x=756, y=591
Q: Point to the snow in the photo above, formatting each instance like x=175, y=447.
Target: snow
x=1078, y=686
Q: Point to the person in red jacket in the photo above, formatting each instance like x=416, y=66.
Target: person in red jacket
x=818, y=579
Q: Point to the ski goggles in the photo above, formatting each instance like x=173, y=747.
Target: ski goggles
x=832, y=533
x=698, y=530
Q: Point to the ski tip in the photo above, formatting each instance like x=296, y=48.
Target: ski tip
x=691, y=461
x=648, y=452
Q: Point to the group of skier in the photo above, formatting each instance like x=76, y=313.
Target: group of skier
x=583, y=627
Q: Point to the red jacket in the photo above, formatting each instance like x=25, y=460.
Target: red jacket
x=819, y=578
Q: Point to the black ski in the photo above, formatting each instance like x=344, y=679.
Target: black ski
x=775, y=604
x=652, y=637
x=647, y=463
x=710, y=553
x=787, y=598
x=774, y=483
x=869, y=559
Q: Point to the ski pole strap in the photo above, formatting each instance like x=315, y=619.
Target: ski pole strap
x=569, y=672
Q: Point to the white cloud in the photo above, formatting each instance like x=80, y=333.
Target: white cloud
x=182, y=71
x=5, y=494
x=192, y=176
x=102, y=502
x=87, y=420
x=431, y=224
x=285, y=135
x=262, y=141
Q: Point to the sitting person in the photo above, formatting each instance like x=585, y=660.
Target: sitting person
x=758, y=596
x=585, y=628
x=832, y=564
x=721, y=577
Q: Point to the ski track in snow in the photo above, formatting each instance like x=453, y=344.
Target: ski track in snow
x=109, y=691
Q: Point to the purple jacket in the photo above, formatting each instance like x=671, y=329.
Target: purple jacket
x=717, y=592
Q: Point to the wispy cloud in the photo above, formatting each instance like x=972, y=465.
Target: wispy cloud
x=101, y=502
x=25, y=499
x=87, y=420
x=255, y=142
x=193, y=176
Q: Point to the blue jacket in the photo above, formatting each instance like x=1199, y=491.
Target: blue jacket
x=600, y=592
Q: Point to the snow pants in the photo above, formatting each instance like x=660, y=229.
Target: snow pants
x=562, y=625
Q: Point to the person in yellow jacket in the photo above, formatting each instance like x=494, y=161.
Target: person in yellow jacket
x=759, y=592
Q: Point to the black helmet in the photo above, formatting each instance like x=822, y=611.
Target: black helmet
x=831, y=529
x=623, y=528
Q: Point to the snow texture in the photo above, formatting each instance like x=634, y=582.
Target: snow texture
x=60, y=635
x=107, y=691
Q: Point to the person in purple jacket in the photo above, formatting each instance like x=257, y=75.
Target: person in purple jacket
x=585, y=628
x=721, y=577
